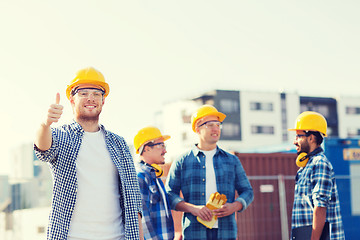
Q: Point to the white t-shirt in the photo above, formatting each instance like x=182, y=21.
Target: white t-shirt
x=210, y=176
x=97, y=214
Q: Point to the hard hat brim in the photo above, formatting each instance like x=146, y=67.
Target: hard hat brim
x=85, y=81
x=220, y=115
x=164, y=137
x=294, y=129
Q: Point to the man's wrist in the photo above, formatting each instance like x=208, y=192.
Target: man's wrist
x=238, y=206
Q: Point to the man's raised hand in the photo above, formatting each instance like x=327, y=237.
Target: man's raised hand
x=54, y=112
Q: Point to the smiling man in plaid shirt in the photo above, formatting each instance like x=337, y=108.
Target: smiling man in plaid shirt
x=202, y=171
x=96, y=193
x=316, y=200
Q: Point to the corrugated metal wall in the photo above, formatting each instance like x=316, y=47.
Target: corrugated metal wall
x=262, y=219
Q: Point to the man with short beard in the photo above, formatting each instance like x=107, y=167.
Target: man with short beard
x=316, y=208
x=202, y=172
x=93, y=171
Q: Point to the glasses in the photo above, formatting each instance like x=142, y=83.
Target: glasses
x=159, y=145
x=85, y=93
x=297, y=136
x=211, y=124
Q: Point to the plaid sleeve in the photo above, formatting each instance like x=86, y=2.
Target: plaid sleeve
x=148, y=228
x=242, y=185
x=322, y=184
x=50, y=154
x=173, y=184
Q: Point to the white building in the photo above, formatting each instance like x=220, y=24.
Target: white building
x=349, y=116
x=256, y=120
x=25, y=224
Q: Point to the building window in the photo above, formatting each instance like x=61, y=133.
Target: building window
x=353, y=110
x=322, y=109
x=186, y=117
x=41, y=229
x=229, y=105
x=284, y=118
x=353, y=132
x=262, y=129
x=230, y=130
x=184, y=136
x=258, y=106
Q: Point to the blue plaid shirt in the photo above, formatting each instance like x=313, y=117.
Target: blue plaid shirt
x=156, y=224
x=61, y=157
x=188, y=174
x=316, y=182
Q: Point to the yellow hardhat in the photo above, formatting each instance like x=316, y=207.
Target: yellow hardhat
x=88, y=75
x=203, y=111
x=146, y=135
x=311, y=121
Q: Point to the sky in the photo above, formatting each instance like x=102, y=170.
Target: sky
x=155, y=52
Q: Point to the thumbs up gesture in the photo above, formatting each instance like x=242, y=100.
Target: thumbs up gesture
x=216, y=200
x=54, y=112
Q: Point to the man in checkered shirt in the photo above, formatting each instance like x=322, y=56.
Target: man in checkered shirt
x=96, y=193
x=316, y=200
x=157, y=220
x=202, y=171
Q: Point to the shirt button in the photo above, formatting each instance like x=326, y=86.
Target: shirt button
x=203, y=194
x=203, y=166
x=203, y=179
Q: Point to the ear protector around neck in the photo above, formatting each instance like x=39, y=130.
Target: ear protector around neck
x=158, y=170
x=303, y=158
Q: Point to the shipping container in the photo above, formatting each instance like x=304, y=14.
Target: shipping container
x=344, y=154
x=272, y=176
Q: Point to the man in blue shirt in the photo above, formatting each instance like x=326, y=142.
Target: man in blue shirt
x=157, y=220
x=316, y=200
x=202, y=171
x=96, y=194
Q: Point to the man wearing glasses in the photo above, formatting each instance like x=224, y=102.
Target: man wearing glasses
x=157, y=220
x=202, y=171
x=93, y=171
x=316, y=209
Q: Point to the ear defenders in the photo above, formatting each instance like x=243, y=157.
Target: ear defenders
x=158, y=170
x=303, y=158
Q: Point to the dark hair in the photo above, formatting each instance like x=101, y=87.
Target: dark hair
x=146, y=145
x=319, y=138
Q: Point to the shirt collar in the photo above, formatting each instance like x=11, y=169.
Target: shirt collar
x=76, y=127
x=196, y=150
x=146, y=167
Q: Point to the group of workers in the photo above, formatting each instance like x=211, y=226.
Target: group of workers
x=99, y=192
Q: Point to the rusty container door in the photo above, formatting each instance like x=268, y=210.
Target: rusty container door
x=264, y=217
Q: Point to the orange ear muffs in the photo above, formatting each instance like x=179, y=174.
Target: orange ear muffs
x=158, y=170
x=302, y=159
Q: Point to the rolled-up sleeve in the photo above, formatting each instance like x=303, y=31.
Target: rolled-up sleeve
x=243, y=187
x=173, y=184
x=322, y=184
x=50, y=154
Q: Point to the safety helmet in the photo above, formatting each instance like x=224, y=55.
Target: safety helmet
x=88, y=75
x=203, y=111
x=146, y=135
x=311, y=121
